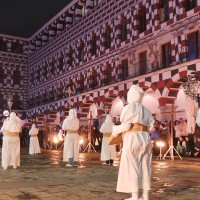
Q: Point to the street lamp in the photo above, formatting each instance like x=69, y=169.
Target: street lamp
x=192, y=87
x=10, y=103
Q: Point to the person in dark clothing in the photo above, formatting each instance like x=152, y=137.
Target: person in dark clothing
x=197, y=148
x=189, y=147
x=40, y=137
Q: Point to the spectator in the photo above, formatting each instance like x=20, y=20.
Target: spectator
x=197, y=147
x=181, y=146
x=189, y=148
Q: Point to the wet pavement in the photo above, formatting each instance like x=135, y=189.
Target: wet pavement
x=45, y=177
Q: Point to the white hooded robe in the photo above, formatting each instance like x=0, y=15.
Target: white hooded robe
x=107, y=151
x=135, y=164
x=11, y=144
x=34, y=146
x=71, y=143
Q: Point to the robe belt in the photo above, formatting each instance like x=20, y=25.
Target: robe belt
x=72, y=131
x=108, y=134
x=137, y=127
x=33, y=135
x=11, y=134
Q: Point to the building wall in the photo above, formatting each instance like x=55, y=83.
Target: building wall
x=55, y=51
x=13, y=73
x=109, y=13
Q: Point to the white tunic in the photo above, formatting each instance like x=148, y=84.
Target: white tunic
x=71, y=143
x=107, y=151
x=11, y=144
x=34, y=146
x=135, y=164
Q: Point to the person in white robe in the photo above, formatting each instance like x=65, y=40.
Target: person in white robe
x=135, y=164
x=108, y=152
x=71, y=143
x=34, y=146
x=11, y=142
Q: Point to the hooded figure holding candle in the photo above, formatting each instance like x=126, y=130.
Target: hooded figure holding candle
x=135, y=164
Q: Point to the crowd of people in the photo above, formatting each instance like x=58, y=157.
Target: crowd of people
x=186, y=144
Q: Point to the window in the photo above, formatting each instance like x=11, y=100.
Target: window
x=108, y=75
x=107, y=38
x=193, y=45
x=81, y=52
x=17, y=104
x=74, y=17
x=44, y=70
x=94, y=82
x=84, y=10
x=81, y=82
x=60, y=61
x=16, y=77
x=123, y=29
x=70, y=56
x=124, y=68
x=2, y=75
x=94, y=45
x=166, y=55
x=3, y=45
x=96, y=3
x=52, y=66
x=190, y=4
x=143, y=62
x=17, y=48
x=163, y=10
x=142, y=19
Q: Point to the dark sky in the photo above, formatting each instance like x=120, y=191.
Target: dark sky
x=24, y=17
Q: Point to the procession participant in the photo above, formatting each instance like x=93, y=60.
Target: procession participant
x=34, y=146
x=11, y=142
x=71, y=143
x=108, y=152
x=135, y=164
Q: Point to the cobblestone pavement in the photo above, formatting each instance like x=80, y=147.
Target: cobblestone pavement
x=45, y=177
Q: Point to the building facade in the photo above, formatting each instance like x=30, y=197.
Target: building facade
x=99, y=49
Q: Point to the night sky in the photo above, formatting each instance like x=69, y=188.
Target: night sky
x=24, y=17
